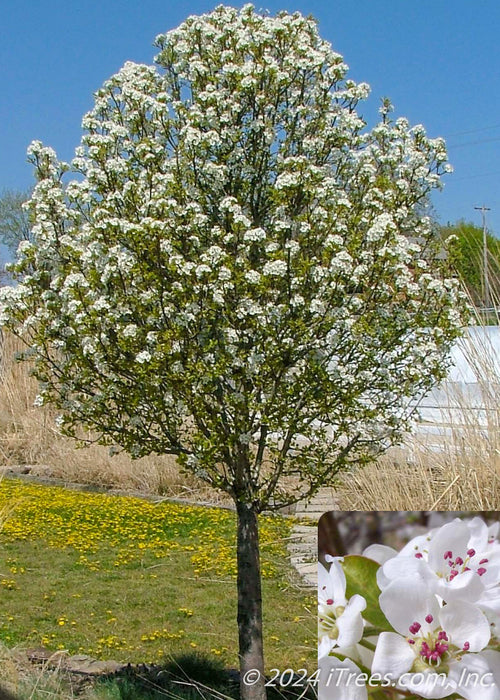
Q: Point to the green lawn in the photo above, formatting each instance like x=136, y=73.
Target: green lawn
x=127, y=579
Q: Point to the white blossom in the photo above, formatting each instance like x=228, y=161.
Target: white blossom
x=276, y=268
x=143, y=356
x=130, y=331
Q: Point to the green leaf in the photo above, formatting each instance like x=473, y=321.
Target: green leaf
x=361, y=577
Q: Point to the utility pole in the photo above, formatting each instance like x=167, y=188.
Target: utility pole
x=487, y=297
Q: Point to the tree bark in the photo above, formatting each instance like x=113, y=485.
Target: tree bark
x=251, y=652
x=330, y=540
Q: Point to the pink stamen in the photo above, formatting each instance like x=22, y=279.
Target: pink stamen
x=443, y=635
x=433, y=654
x=425, y=650
x=414, y=627
x=459, y=561
x=483, y=561
x=466, y=646
x=471, y=552
x=481, y=571
x=329, y=601
x=453, y=574
x=429, y=619
x=448, y=554
x=418, y=555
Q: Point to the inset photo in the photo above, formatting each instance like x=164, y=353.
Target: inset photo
x=408, y=605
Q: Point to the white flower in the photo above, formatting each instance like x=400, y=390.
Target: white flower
x=434, y=646
x=339, y=620
x=143, y=357
x=459, y=561
x=276, y=268
x=254, y=235
x=202, y=270
x=252, y=276
x=130, y=331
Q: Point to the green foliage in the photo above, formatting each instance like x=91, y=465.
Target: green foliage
x=361, y=578
x=466, y=256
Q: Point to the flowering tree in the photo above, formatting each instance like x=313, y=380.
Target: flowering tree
x=419, y=623
x=237, y=274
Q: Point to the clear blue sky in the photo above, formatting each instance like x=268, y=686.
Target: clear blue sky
x=438, y=61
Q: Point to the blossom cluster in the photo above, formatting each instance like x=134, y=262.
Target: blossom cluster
x=425, y=620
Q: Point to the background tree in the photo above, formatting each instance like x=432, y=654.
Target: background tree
x=14, y=219
x=466, y=256
x=238, y=275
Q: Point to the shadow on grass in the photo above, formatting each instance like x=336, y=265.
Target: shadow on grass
x=188, y=677
x=5, y=694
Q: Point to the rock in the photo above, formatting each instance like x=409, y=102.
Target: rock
x=80, y=663
x=39, y=655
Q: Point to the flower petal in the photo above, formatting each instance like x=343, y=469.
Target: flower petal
x=491, y=577
x=406, y=601
x=478, y=534
x=338, y=582
x=405, y=567
x=393, y=656
x=420, y=543
x=325, y=588
x=493, y=660
x=452, y=537
x=350, y=623
x=465, y=586
x=379, y=553
x=325, y=646
x=465, y=623
x=476, y=675
x=337, y=680
x=428, y=684
x=489, y=603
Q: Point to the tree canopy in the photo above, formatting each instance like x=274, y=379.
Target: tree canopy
x=240, y=262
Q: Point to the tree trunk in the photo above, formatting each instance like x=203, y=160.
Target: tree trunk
x=251, y=653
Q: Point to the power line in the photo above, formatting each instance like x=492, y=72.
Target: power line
x=472, y=143
x=474, y=177
x=474, y=131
